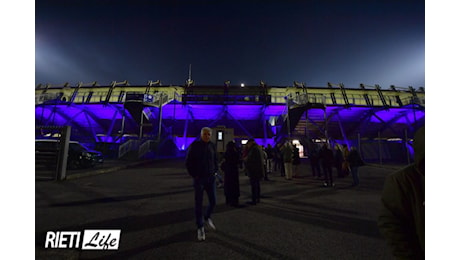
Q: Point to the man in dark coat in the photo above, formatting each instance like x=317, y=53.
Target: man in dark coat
x=402, y=218
x=255, y=169
x=202, y=164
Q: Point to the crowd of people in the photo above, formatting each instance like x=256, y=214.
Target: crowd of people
x=258, y=163
x=401, y=219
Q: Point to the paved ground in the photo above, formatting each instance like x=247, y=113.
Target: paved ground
x=152, y=204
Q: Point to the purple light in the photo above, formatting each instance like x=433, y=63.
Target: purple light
x=206, y=112
x=403, y=115
x=104, y=121
x=274, y=110
x=106, y=112
x=245, y=112
x=183, y=143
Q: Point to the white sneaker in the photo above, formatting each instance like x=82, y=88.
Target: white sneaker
x=201, y=234
x=210, y=224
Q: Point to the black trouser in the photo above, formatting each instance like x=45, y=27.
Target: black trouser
x=328, y=174
x=283, y=172
x=255, y=189
x=316, y=171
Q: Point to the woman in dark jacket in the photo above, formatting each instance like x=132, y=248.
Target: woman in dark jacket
x=231, y=176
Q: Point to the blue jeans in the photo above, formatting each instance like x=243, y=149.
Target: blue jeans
x=354, y=173
x=207, y=184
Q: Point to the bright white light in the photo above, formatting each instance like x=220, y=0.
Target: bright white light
x=244, y=141
x=297, y=143
x=272, y=120
x=242, y=85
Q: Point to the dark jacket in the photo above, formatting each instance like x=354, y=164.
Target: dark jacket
x=402, y=217
x=231, y=176
x=354, y=159
x=231, y=160
x=287, y=153
x=338, y=158
x=201, y=159
x=326, y=156
x=296, y=156
x=255, y=162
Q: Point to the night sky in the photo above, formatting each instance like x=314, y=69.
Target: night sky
x=315, y=42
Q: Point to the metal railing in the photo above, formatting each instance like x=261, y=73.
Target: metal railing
x=354, y=99
x=130, y=145
x=42, y=98
x=144, y=148
x=274, y=96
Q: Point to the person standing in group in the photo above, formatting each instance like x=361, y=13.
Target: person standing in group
x=279, y=164
x=202, y=164
x=264, y=157
x=255, y=169
x=327, y=160
x=287, y=154
x=295, y=160
x=244, y=155
x=269, y=163
x=231, y=174
x=345, y=165
x=313, y=155
x=355, y=161
x=338, y=161
x=402, y=217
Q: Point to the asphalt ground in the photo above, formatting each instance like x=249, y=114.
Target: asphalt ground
x=152, y=202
